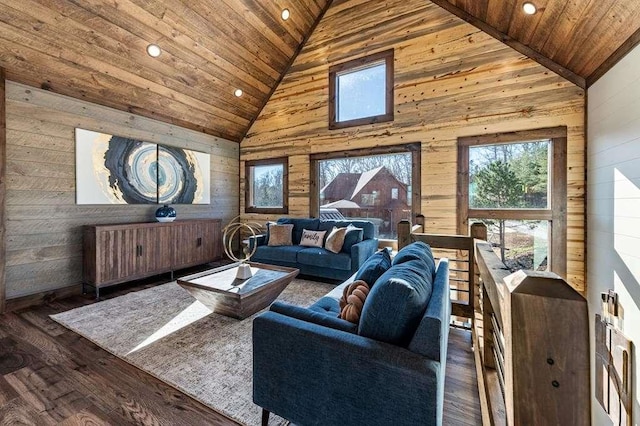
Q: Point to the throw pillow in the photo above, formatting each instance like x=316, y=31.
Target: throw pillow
x=280, y=235
x=372, y=268
x=352, y=301
x=312, y=238
x=335, y=239
x=353, y=236
x=396, y=303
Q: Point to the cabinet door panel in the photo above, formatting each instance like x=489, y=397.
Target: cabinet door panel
x=118, y=254
x=212, y=240
x=187, y=246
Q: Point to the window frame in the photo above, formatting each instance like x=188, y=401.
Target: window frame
x=413, y=148
x=354, y=64
x=248, y=188
x=555, y=213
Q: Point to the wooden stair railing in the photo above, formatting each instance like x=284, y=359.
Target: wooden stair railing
x=531, y=341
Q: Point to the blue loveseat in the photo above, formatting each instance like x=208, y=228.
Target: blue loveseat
x=317, y=261
x=313, y=368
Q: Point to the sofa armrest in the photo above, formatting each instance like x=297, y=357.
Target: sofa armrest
x=432, y=335
x=315, y=375
x=361, y=252
x=258, y=240
x=315, y=317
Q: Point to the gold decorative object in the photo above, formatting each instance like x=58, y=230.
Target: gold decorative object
x=228, y=234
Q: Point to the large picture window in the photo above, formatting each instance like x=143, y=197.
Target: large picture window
x=380, y=185
x=361, y=91
x=516, y=184
x=266, y=186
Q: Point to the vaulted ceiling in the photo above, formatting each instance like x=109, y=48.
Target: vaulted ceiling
x=95, y=49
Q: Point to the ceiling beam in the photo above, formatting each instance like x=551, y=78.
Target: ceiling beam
x=288, y=67
x=514, y=44
x=615, y=57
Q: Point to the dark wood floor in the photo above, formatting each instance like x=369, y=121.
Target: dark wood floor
x=50, y=375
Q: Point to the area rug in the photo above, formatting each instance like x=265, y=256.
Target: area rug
x=167, y=333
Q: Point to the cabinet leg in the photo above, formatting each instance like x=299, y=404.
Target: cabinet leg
x=97, y=294
x=265, y=417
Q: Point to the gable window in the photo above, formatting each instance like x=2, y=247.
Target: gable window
x=361, y=91
x=516, y=184
x=359, y=184
x=266, y=186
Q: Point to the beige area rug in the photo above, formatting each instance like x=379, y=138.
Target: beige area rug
x=167, y=333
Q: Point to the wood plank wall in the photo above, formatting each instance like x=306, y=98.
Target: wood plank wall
x=3, y=188
x=43, y=222
x=451, y=80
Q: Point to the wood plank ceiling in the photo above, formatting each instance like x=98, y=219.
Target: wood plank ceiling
x=96, y=50
x=579, y=35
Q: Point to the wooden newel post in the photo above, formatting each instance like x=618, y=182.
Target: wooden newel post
x=478, y=231
x=546, y=356
x=420, y=221
x=404, y=233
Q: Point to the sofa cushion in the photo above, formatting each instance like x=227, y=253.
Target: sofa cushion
x=396, y=303
x=325, y=318
x=326, y=225
x=279, y=235
x=312, y=238
x=327, y=305
x=374, y=267
x=299, y=225
x=353, y=236
x=416, y=251
x=277, y=254
x=335, y=239
x=324, y=258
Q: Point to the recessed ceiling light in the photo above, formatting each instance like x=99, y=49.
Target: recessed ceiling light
x=285, y=14
x=154, y=50
x=529, y=8
x=238, y=92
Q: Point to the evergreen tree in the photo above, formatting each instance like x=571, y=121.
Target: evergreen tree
x=497, y=186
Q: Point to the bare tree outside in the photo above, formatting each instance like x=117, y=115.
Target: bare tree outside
x=267, y=186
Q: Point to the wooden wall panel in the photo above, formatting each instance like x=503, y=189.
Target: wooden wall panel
x=3, y=188
x=43, y=222
x=451, y=80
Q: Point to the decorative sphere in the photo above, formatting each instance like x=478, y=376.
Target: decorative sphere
x=166, y=213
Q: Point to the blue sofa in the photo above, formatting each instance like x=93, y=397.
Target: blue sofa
x=313, y=368
x=316, y=261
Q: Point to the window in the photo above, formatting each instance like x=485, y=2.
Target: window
x=361, y=91
x=516, y=184
x=360, y=184
x=266, y=186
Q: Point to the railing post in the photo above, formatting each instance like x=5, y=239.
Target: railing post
x=404, y=233
x=478, y=231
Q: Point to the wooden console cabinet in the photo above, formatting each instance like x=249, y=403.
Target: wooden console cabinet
x=117, y=253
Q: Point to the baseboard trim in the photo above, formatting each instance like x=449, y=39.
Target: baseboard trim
x=42, y=297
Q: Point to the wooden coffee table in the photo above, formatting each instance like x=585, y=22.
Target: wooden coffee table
x=220, y=290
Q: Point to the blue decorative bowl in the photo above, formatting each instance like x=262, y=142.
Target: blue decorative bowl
x=166, y=213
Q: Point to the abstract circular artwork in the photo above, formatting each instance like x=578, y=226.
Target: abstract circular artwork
x=129, y=171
